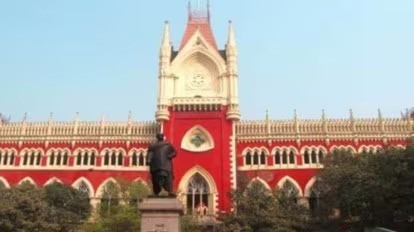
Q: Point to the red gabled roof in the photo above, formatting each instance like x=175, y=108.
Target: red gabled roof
x=195, y=22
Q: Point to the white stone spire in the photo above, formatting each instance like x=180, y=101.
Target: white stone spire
x=166, y=43
x=231, y=39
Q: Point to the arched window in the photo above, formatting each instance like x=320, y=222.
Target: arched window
x=120, y=158
x=198, y=195
x=313, y=157
x=106, y=158
x=25, y=158
x=277, y=157
x=32, y=158
x=65, y=158
x=85, y=158
x=284, y=157
x=79, y=158
x=52, y=158
x=92, y=161
x=113, y=158
x=248, y=158
x=134, y=159
x=59, y=158
x=255, y=158
x=141, y=159
x=12, y=156
x=263, y=158
x=306, y=157
x=292, y=158
x=320, y=157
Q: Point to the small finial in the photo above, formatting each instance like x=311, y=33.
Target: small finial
x=77, y=116
x=129, y=116
x=50, y=116
x=351, y=114
x=24, y=117
x=323, y=114
x=267, y=115
x=295, y=114
x=379, y=114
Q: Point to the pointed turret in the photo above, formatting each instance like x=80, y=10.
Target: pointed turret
x=165, y=50
x=231, y=48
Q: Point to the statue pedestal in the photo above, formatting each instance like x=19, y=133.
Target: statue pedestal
x=161, y=215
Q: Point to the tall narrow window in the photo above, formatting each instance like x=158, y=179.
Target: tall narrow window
x=120, y=159
x=284, y=157
x=12, y=158
x=134, y=158
x=320, y=156
x=79, y=158
x=255, y=158
x=38, y=158
x=92, y=158
x=65, y=158
x=59, y=158
x=313, y=157
x=5, y=157
x=291, y=157
x=85, y=158
x=277, y=157
x=263, y=158
x=32, y=158
x=248, y=158
x=25, y=157
x=113, y=158
x=141, y=159
x=106, y=158
x=52, y=158
x=306, y=157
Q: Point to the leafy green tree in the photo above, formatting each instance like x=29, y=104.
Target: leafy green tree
x=118, y=210
x=68, y=206
x=259, y=209
x=368, y=189
x=22, y=208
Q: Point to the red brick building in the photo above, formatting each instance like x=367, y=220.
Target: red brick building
x=198, y=111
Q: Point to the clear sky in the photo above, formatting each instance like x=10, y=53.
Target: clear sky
x=100, y=57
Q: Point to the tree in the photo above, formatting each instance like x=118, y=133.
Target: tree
x=118, y=210
x=369, y=189
x=67, y=205
x=259, y=209
x=22, y=208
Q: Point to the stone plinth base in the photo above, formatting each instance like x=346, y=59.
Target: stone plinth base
x=160, y=215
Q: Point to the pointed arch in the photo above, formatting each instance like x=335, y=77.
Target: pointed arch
x=139, y=179
x=309, y=186
x=27, y=178
x=340, y=147
x=197, y=139
x=185, y=180
x=52, y=180
x=101, y=187
x=313, y=148
x=291, y=180
x=260, y=180
x=4, y=182
x=85, y=181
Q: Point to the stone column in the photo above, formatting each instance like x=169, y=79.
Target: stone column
x=161, y=215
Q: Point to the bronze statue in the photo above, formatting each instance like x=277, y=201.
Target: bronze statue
x=160, y=155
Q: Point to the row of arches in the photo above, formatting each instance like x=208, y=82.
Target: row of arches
x=311, y=155
x=58, y=157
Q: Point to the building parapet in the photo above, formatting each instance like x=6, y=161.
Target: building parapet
x=364, y=128
x=78, y=130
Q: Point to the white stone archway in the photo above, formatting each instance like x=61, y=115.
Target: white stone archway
x=4, y=182
x=213, y=192
x=52, y=180
x=291, y=180
x=259, y=180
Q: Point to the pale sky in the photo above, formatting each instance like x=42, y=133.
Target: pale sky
x=100, y=57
